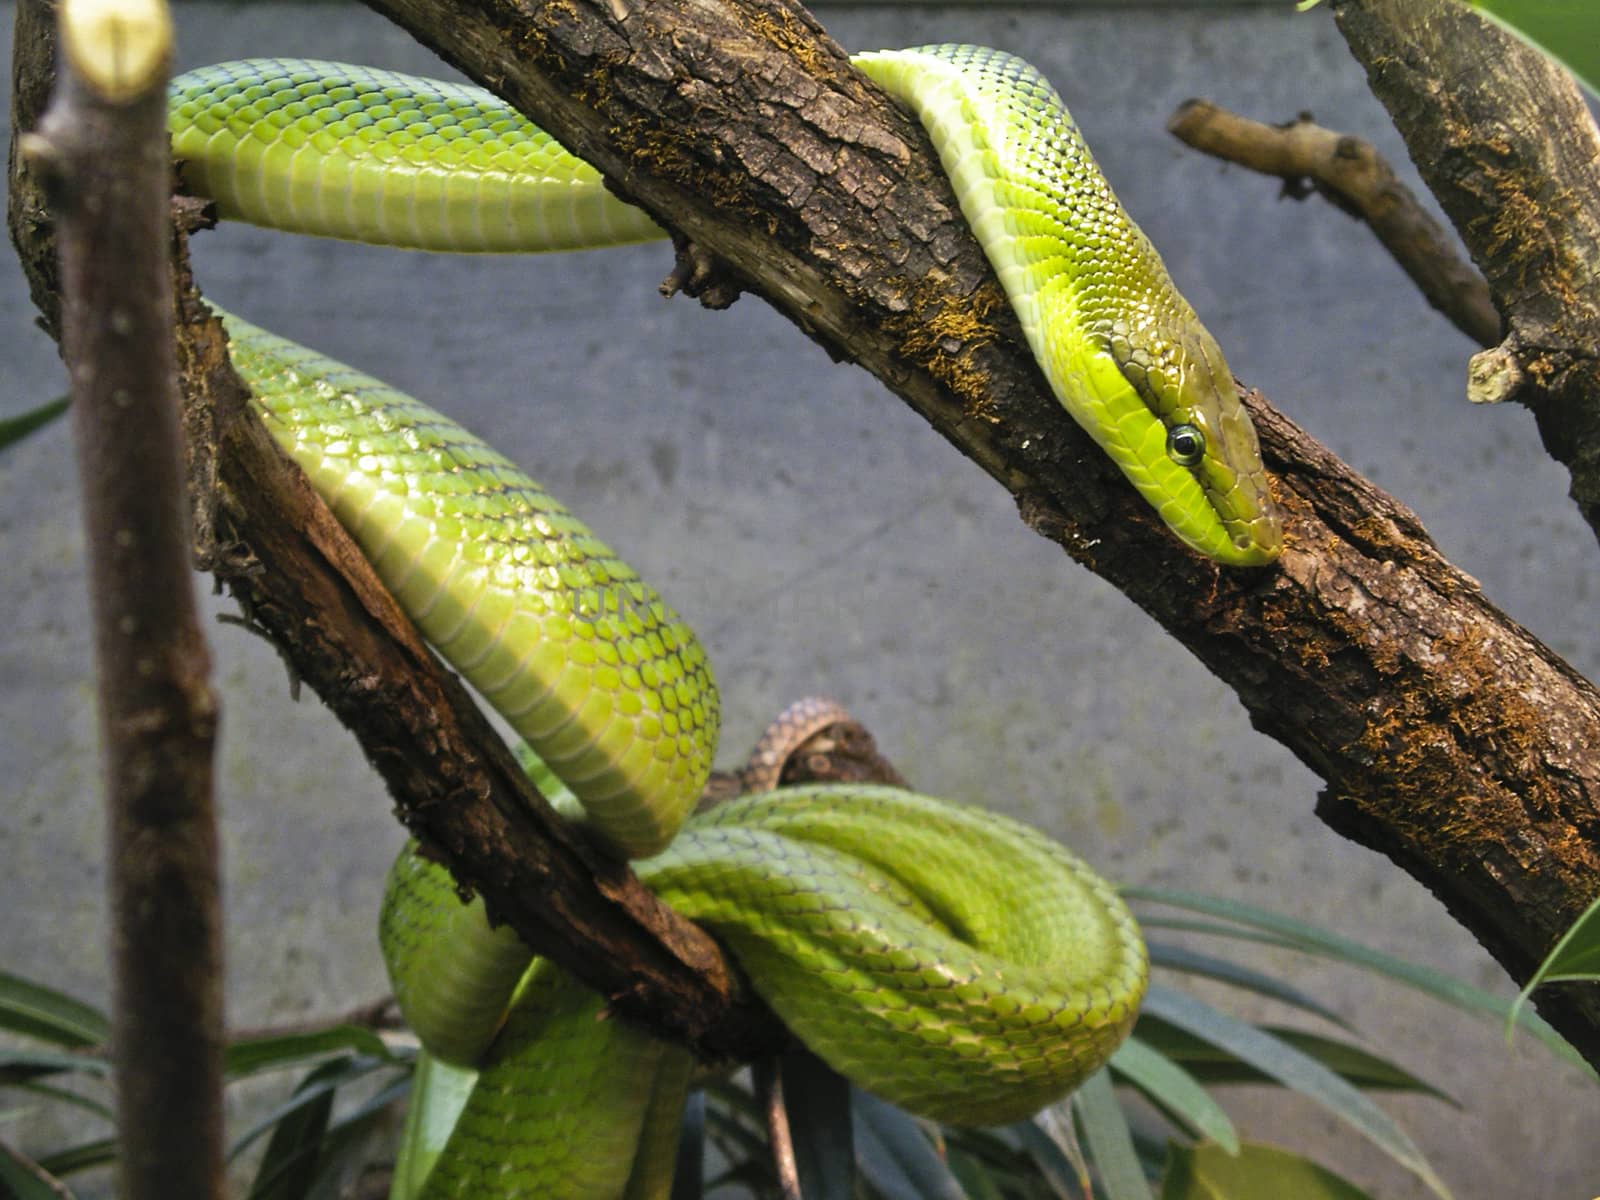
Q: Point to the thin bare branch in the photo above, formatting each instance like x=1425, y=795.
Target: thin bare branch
x=1351, y=174
x=102, y=151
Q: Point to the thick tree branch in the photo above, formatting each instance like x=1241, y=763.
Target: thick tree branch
x=1448, y=737
x=102, y=151
x=299, y=577
x=1502, y=137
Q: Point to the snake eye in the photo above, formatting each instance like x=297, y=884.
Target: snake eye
x=1186, y=445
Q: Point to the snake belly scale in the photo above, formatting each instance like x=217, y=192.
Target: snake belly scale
x=950, y=960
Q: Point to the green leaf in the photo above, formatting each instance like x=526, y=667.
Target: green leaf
x=1576, y=958
x=1309, y=939
x=331, y=1077
x=290, y=1163
x=1192, y=962
x=1294, y=1069
x=81, y=1157
x=309, y=1152
x=20, y=1065
x=40, y=1012
x=688, y=1174
x=439, y=1092
x=1257, y=1172
x=895, y=1155
x=1176, y=1092
x=287, y=1051
x=347, y=1148
x=1356, y=1066
x=1567, y=31
x=14, y=429
x=1108, y=1139
x=21, y=1179
x=976, y=1179
x=1062, y=1167
x=64, y=1096
x=817, y=1100
x=735, y=1127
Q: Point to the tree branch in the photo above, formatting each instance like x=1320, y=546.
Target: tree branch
x=1502, y=137
x=266, y=535
x=1354, y=177
x=102, y=151
x=1448, y=737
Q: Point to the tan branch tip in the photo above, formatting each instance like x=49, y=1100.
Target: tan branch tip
x=119, y=48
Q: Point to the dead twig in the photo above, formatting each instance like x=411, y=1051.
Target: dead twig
x=1353, y=176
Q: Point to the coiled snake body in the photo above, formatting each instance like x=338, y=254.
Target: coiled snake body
x=948, y=959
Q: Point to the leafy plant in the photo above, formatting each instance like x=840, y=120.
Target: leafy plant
x=1167, y=1135
x=14, y=429
x=311, y=1139
x=1575, y=959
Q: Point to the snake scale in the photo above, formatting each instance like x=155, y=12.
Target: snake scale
x=953, y=961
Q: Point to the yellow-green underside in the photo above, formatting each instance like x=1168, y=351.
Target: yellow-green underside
x=584, y=660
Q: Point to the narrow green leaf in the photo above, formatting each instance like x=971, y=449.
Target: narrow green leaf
x=1295, y=1070
x=308, y=1152
x=345, y=1147
x=1575, y=958
x=1237, y=933
x=37, y=1011
x=735, y=1127
x=689, y=1173
x=1176, y=1092
x=1212, y=1066
x=977, y=1180
x=1193, y=962
x=287, y=1051
x=1567, y=31
x=1257, y=1172
x=290, y=1162
x=64, y=1096
x=1310, y=939
x=894, y=1153
x=21, y=1179
x=817, y=1100
x=1107, y=1138
x=439, y=1092
x=1062, y=1167
x=18, y=1065
x=332, y=1076
x=14, y=429
x=96, y=1153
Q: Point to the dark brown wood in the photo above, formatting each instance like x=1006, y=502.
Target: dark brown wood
x=455, y=784
x=1447, y=737
x=1350, y=173
x=104, y=162
x=1503, y=139
x=299, y=578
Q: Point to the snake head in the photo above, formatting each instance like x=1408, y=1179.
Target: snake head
x=1175, y=424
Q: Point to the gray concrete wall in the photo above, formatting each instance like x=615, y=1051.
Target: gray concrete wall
x=821, y=538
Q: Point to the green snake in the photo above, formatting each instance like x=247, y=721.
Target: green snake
x=950, y=960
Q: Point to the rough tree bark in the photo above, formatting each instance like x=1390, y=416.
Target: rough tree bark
x=1447, y=737
x=1503, y=139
